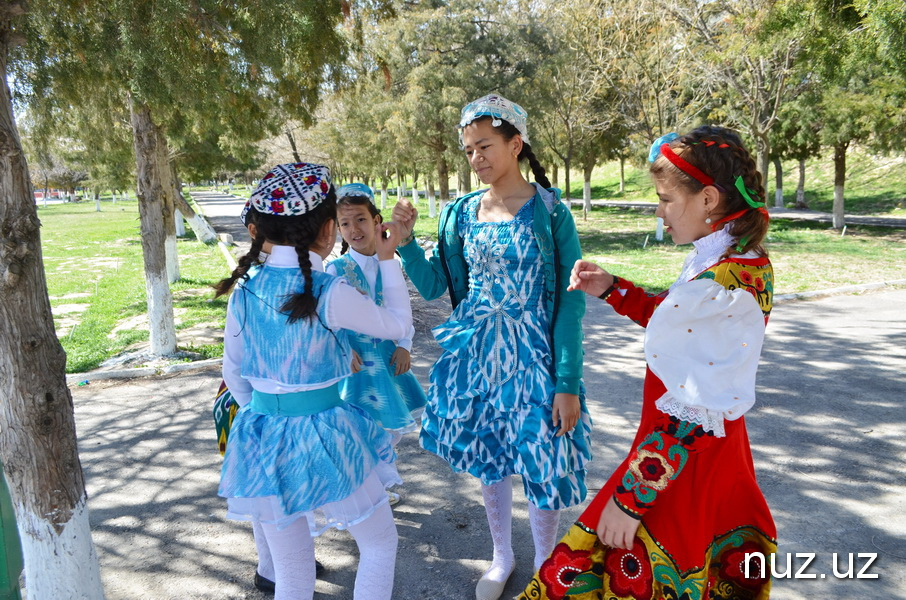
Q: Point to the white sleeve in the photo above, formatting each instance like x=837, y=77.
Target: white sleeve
x=347, y=308
x=704, y=343
x=331, y=269
x=406, y=342
x=233, y=353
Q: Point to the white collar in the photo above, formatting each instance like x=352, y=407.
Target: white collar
x=362, y=259
x=285, y=256
x=708, y=250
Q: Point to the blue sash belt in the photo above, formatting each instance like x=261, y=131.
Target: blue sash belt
x=296, y=404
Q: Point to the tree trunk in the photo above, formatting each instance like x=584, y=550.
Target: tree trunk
x=97, y=201
x=432, y=201
x=566, y=162
x=465, y=180
x=586, y=188
x=839, y=181
x=168, y=186
x=150, y=192
x=800, y=188
x=203, y=230
x=292, y=144
x=443, y=178
x=622, y=174
x=37, y=428
x=778, y=183
x=762, y=146
x=385, y=180
x=555, y=172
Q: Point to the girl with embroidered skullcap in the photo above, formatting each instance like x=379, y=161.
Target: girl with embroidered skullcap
x=384, y=387
x=683, y=516
x=299, y=459
x=506, y=395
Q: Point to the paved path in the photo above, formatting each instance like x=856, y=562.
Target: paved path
x=828, y=436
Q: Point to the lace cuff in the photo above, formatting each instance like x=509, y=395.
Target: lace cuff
x=710, y=420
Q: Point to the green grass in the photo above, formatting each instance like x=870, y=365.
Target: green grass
x=806, y=256
x=93, y=262
x=875, y=185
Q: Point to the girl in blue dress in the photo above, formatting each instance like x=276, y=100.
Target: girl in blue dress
x=506, y=395
x=384, y=387
x=299, y=459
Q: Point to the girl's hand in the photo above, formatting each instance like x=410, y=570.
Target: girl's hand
x=386, y=245
x=615, y=528
x=356, y=362
x=566, y=412
x=405, y=214
x=401, y=359
x=590, y=278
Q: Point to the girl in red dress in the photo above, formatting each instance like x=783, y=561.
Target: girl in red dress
x=683, y=518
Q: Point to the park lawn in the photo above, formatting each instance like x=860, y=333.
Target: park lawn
x=806, y=256
x=95, y=279
x=876, y=185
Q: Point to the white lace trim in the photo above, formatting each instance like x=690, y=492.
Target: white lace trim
x=711, y=420
x=707, y=252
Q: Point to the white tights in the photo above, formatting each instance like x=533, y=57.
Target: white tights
x=293, y=553
x=498, y=504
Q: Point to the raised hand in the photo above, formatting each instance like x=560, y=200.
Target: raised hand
x=386, y=244
x=590, y=278
x=405, y=214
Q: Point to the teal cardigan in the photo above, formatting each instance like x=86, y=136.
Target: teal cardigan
x=555, y=232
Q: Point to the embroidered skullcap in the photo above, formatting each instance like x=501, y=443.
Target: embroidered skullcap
x=499, y=109
x=656, y=146
x=290, y=189
x=356, y=189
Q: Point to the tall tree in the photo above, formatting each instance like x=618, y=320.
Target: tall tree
x=241, y=75
x=37, y=428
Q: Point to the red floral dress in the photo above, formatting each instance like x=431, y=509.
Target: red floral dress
x=700, y=507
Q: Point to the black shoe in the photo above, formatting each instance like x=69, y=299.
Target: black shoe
x=267, y=586
x=264, y=584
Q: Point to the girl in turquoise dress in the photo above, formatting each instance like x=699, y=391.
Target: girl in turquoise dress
x=301, y=460
x=384, y=387
x=506, y=395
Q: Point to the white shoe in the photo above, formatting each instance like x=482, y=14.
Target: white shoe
x=394, y=498
x=488, y=589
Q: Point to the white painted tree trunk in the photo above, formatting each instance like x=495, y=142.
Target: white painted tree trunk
x=839, y=219
x=49, y=551
x=172, y=259
x=432, y=204
x=586, y=194
x=97, y=203
x=659, y=230
x=180, y=225
x=150, y=146
x=383, y=196
x=37, y=427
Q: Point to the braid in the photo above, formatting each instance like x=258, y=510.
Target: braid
x=720, y=153
x=302, y=305
x=537, y=169
x=344, y=246
x=242, y=268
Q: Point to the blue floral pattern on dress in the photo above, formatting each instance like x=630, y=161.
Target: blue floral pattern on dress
x=489, y=406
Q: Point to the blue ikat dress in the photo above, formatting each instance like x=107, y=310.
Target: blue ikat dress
x=489, y=409
x=390, y=399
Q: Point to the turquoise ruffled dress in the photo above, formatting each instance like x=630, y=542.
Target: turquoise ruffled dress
x=489, y=409
x=305, y=454
x=392, y=400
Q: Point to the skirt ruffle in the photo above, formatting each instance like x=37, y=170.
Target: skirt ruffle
x=394, y=401
x=301, y=464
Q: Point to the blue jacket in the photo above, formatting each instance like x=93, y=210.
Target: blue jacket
x=555, y=232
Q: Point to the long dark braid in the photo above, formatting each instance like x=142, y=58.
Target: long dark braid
x=244, y=263
x=720, y=153
x=509, y=131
